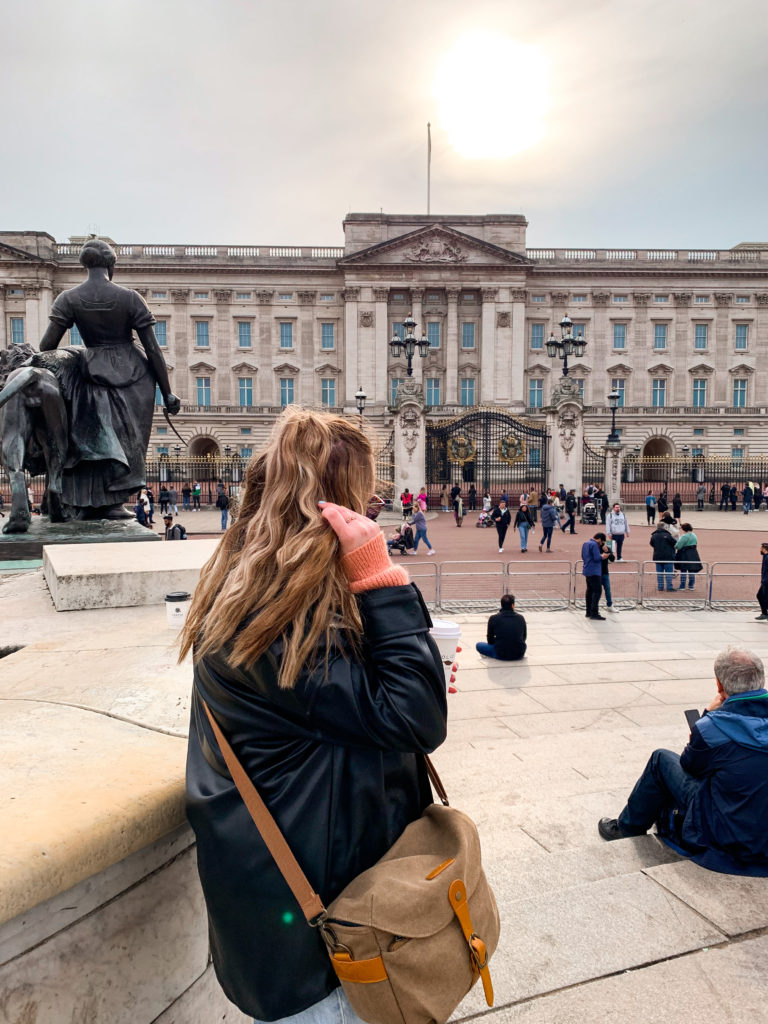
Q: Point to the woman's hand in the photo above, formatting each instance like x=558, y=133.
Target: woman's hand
x=353, y=530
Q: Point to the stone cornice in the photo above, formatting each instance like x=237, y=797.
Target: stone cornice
x=288, y=368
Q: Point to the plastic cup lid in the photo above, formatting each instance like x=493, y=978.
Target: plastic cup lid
x=446, y=628
x=177, y=595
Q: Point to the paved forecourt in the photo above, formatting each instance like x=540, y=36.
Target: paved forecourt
x=536, y=752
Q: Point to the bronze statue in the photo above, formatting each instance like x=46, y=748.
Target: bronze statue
x=102, y=396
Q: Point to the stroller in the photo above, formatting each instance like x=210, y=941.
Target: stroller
x=589, y=513
x=484, y=520
x=404, y=543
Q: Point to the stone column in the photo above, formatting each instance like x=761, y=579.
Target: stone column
x=614, y=451
x=721, y=345
x=265, y=379
x=351, y=368
x=44, y=305
x=32, y=332
x=410, y=437
x=380, y=396
x=3, y=325
x=517, y=364
x=488, y=346
x=306, y=349
x=683, y=343
x=565, y=426
x=452, y=348
x=222, y=345
x=182, y=346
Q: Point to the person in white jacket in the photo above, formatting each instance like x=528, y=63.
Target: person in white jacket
x=617, y=528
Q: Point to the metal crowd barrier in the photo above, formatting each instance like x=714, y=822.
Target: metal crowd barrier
x=655, y=597
x=724, y=592
x=460, y=581
x=540, y=585
x=624, y=578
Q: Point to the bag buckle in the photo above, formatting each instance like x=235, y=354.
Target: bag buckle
x=477, y=949
x=318, y=921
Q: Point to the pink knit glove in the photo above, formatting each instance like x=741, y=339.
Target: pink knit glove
x=365, y=559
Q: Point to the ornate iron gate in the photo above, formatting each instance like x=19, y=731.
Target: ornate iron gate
x=487, y=448
x=385, y=467
x=593, y=466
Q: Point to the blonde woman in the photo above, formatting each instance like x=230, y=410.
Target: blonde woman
x=313, y=653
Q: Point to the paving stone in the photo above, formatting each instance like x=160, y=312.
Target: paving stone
x=676, y=691
x=553, y=722
x=569, y=936
x=203, y=1002
x=504, y=675
x=733, y=903
x=597, y=672
x=724, y=986
x=577, y=697
x=491, y=704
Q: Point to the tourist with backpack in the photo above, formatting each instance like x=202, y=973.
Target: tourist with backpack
x=222, y=503
x=173, y=531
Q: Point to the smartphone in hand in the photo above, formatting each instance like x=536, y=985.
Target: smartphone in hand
x=691, y=716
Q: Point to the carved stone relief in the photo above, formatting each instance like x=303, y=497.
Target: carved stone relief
x=567, y=430
x=436, y=252
x=265, y=297
x=503, y=319
x=367, y=318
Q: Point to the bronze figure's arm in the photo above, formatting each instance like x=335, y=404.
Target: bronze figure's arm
x=159, y=369
x=52, y=336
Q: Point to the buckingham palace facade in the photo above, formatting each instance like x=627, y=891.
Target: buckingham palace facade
x=681, y=334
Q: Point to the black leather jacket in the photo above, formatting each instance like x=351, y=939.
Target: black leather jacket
x=337, y=762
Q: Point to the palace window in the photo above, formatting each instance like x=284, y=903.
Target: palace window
x=159, y=295
x=286, y=335
x=285, y=296
x=742, y=335
x=399, y=330
x=203, y=391
x=201, y=295
x=659, y=336
x=394, y=383
x=580, y=382
x=738, y=431
x=162, y=430
x=17, y=330
x=737, y=453
x=661, y=298
x=158, y=395
x=242, y=296
x=536, y=393
x=327, y=297
x=579, y=330
x=700, y=337
x=742, y=299
x=535, y=456
x=286, y=391
x=579, y=298
x=245, y=390
x=433, y=296
x=697, y=453
x=619, y=336
x=468, y=391
x=202, y=337
x=327, y=336
x=618, y=384
x=15, y=291
x=702, y=298
x=433, y=391
x=619, y=298
x=659, y=393
x=245, y=430
x=700, y=392
x=244, y=334
x=328, y=391
x=162, y=449
x=75, y=337
x=246, y=453
x=698, y=431
x=537, y=336
x=433, y=333
x=740, y=393
x=468, y=335
x=538, y=298
x=161, y=333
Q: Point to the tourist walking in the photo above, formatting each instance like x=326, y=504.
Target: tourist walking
x=421, y=498
x=650, y=508
x=677, y=505
x=592, y=556
x=663, y=544
x=762, y=593
x=746, y=496
x=300, y=671
x=701, y=497
x=444, y=499
x=197, y=491
x=472, y=498
x=688, y=561
x=602, y=498
x=617, y=528
x=523, y=523
x=487, y=505
x=571, y=505
x=164, y=498
x=419, y=523
x=222, y=503
x=151, y=499
x=501, y=518
x=549, y=520
x=663, y=503
x=605, y=579
x=173, y=500
x=725, y=493
x=186, y=498
x=458, y=509
x=734, y=496
x=533, y=503
x=406, y=500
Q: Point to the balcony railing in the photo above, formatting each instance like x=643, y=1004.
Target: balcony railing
x=219, y=253
x=648, y=255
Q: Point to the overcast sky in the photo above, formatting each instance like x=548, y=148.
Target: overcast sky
x=265, y=121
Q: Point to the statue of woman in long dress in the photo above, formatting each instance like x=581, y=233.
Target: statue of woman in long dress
x=108, y=388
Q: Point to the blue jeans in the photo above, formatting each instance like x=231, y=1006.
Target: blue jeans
x=546, y=536
x=663, y=784
x=489, y=650
x=618, y=539
x=224, y=517
x=691, y=579
x=523, y=528
x=421, y=535
x=334, y=1009
x=665, y=569
x=606, y=582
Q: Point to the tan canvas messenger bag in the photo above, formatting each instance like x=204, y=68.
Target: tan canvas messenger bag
x=409, y=937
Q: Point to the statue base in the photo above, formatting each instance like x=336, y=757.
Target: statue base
x=29, y=545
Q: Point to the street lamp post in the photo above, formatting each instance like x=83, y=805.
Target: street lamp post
x=614, y=397
x=567, y=345
x=409, y=344
x=360, y=397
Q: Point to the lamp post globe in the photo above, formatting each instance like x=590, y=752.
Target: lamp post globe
x=360, y=398
x=614, y=398
x=408, y=343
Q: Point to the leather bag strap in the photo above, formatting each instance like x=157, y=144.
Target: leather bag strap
x=310, y=903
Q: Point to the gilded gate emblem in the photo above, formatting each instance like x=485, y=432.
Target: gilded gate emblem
x=461, y=449
x=511, y=449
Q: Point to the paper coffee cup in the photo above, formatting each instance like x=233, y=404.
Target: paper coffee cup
x=446, y=635
x=176, y=608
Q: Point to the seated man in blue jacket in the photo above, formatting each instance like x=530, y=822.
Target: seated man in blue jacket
x=507, y=633
x=716, y=792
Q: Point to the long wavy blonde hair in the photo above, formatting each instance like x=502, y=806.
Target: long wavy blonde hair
x=276, y=572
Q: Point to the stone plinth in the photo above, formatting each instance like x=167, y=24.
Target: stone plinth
x=42, y=532
x=565, y=426
x=121, y=576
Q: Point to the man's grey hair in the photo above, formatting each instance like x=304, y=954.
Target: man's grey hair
x=739, y=670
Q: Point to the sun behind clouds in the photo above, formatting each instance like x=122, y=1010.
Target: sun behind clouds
x=492, y=95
